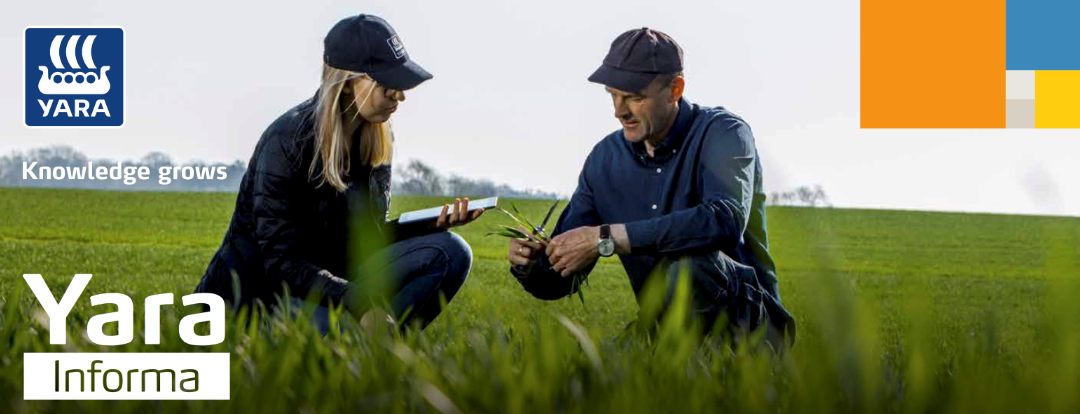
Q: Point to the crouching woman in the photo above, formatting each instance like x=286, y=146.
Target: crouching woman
x=310, y=216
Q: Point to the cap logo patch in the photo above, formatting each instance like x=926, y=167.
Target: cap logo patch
x=396, y=46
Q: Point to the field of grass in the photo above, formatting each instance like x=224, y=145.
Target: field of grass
x=897, y=312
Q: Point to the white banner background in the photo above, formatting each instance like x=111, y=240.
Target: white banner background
x=40, y=381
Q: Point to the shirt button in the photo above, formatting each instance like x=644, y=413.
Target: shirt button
x=659, y=170
x=654, y=206
x=674, y=151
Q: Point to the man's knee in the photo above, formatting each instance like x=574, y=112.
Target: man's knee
x=710, y=267
x=693, y=266
x=707, y=282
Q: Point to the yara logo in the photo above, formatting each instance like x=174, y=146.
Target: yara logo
x=74, y=76
x=73, y=83
x=124, y=316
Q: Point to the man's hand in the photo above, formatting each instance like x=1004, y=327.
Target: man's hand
x=524, y=252
x=459, y=216
x=573, y=250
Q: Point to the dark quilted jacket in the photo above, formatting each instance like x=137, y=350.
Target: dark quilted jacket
x=284, y=230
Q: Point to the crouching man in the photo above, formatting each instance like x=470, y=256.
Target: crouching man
x=676, y=191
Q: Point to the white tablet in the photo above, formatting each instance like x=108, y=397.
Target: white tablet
x=433, y=213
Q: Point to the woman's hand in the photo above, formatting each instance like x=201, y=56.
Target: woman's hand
x=459, y=216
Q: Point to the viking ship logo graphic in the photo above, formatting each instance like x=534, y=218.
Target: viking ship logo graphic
x=73, y=83
x=73, y=76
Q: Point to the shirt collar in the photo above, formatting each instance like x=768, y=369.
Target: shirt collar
x=675, y=135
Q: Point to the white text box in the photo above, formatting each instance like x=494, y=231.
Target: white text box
x=125, y=376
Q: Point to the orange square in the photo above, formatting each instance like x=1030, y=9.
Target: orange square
x=932, y=64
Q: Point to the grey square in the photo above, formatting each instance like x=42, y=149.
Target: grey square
x=1019, y=113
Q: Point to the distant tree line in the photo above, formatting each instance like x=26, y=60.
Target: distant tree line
x=802, y=196
x=415, y=178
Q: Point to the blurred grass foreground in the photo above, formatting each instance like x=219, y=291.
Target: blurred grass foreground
x=905, y=312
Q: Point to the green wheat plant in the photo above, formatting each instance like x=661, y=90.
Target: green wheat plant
x=538, y=234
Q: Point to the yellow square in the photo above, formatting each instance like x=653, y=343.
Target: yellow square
x=1057, y=99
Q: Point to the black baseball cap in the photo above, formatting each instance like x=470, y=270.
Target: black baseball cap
x=368, y=44
x=636, y=58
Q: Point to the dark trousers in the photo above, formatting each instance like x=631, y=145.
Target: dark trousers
x=722, y=289
x=416, y=274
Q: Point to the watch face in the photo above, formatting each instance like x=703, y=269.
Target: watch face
x=606, y=247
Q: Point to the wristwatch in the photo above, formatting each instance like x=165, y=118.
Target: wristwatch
x=605, y=245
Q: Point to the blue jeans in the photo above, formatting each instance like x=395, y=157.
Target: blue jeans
x=418, y=273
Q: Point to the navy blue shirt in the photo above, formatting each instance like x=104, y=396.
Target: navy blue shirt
x=700, y=192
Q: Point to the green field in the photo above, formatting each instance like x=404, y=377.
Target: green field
x=897, y=311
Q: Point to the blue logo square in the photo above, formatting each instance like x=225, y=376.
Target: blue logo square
x=1042, y=35
x=74, y=77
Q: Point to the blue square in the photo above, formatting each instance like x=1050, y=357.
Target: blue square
x=1042, y=35
x=74, y=77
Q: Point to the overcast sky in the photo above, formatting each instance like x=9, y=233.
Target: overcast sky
x=510, y=100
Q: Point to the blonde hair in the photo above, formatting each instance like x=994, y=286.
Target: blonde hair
x=331, y=144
